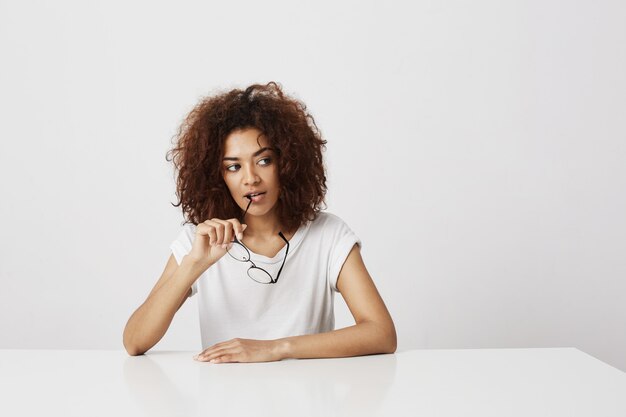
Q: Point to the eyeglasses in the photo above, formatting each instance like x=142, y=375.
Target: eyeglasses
x=240, y=253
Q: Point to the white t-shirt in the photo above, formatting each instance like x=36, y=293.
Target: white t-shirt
x=232, y=305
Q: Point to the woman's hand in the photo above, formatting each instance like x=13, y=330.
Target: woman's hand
x=213, y=238
x=242, y=350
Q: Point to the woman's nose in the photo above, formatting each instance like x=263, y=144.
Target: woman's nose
x=250, y=176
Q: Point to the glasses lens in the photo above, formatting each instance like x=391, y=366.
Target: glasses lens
x=238, y=252
x=259, y=275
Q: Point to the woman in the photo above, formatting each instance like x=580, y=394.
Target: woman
x=262, y=257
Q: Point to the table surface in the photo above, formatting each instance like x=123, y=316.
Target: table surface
x=468, y=382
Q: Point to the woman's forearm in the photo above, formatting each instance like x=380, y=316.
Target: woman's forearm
x=361, y=339
x=151, y=320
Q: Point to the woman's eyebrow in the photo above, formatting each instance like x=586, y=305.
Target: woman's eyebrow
x=257, y=153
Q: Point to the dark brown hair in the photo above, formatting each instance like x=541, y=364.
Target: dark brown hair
x=290, y=130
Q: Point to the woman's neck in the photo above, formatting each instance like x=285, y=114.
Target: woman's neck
x=262, y=227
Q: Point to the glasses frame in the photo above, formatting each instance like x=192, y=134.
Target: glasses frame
x=253, y=266
x=237, y=242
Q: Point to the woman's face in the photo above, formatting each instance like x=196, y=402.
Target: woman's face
x=249, y=166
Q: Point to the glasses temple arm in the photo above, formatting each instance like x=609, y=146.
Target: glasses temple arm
x=285, y=258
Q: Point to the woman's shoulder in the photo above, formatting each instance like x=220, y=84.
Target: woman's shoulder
x=330, y=230
x=327, y=218
x=328, y=221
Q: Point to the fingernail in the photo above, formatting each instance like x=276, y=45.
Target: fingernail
x=239, y=236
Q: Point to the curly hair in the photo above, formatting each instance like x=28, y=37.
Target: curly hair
x=290, y=130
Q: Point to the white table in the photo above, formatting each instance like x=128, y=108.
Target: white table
x=479, y=382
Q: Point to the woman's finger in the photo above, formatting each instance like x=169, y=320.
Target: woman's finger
x=215, y=354
x=243, y=227
x=213, y=348
x=225, y=358
x=220, y=348
x=207, y=229
x=238, y=228
x=219, y=231
x=227, y=235
x=212, y=235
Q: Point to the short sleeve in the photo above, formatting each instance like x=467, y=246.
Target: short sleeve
x=181, y=246
x=344, y=240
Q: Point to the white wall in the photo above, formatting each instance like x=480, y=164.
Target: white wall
x=476, y=147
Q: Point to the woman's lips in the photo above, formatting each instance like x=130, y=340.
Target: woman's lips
x=257, y=198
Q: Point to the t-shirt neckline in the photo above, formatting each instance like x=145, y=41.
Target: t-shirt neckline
x=294, y=242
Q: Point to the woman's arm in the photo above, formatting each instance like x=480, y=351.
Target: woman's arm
x=149, y=323
x=374, y=331
x=151, y=320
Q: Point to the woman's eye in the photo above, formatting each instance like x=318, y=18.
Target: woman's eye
x=265, y=161
x=232, y=168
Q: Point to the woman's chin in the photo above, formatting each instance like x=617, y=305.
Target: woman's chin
x=260, y=210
